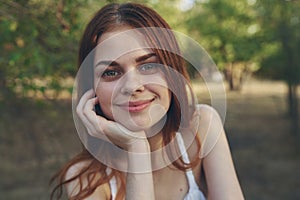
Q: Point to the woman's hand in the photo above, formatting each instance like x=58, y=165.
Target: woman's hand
x=107, y=130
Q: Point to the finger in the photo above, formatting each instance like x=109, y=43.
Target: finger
x=87, y=95
x=86, y=113
x=90, y=103
x=79, y=109
x=122, y=136
x=97, y=123
x=90, y=114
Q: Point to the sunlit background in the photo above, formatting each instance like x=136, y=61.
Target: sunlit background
x=255, y=44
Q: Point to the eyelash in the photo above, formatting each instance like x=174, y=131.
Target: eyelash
x=108, y=76
x=144, y=69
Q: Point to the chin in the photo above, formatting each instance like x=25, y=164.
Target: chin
x=136, y=127
x=150, y=127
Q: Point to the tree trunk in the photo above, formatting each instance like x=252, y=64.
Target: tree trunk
x=293, y=107
x=234, y=77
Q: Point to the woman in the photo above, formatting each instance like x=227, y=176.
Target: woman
x=144, y=136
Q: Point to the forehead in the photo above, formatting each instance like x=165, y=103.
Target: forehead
x=120, y=41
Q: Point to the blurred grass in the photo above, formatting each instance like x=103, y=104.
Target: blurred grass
x=37, y=137
x=265, y=147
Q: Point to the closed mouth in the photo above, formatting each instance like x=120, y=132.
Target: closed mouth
x=136, y=106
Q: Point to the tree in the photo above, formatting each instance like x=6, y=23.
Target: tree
x=281, y=22
x=39, y=43
x=227, y=30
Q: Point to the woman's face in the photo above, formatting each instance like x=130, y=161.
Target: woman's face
x=129, y=82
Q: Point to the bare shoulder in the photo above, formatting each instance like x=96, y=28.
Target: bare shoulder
x=217, y=162
x=76, y=169
x=207, y=114
x=208, y=126
x=73, y=187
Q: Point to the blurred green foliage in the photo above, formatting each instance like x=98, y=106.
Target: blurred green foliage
x=39, y=39
x=39, y=42
x=280, y=60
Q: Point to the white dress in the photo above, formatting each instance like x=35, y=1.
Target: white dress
x=194, y=193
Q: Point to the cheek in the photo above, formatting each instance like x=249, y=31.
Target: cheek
x=164, y=95
x=158, y=84
x=167, y=98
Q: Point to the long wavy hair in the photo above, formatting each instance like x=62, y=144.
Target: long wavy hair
x=181, y=107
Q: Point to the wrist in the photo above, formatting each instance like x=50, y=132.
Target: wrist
x=139, y=146
x=139, y=157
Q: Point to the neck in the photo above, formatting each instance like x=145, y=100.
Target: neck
x=159, y=155
x=155, y=141
x=154, y=135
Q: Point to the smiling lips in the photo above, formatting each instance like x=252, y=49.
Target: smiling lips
x=136, y=106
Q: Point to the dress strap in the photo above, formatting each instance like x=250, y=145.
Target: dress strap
x=112, y=184
x=194, y=191
x=185, y=157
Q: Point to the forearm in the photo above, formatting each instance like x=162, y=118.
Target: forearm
x=139, y=180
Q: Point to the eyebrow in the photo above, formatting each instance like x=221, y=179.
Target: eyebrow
x=107, y=62
x=114, y=63
x=145, y=57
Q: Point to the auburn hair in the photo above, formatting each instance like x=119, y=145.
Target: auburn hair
x=181, y=106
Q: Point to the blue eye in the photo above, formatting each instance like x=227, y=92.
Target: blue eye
x=111, y=75
x=149, y=68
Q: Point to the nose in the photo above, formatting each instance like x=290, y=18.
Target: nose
x=132, y=83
